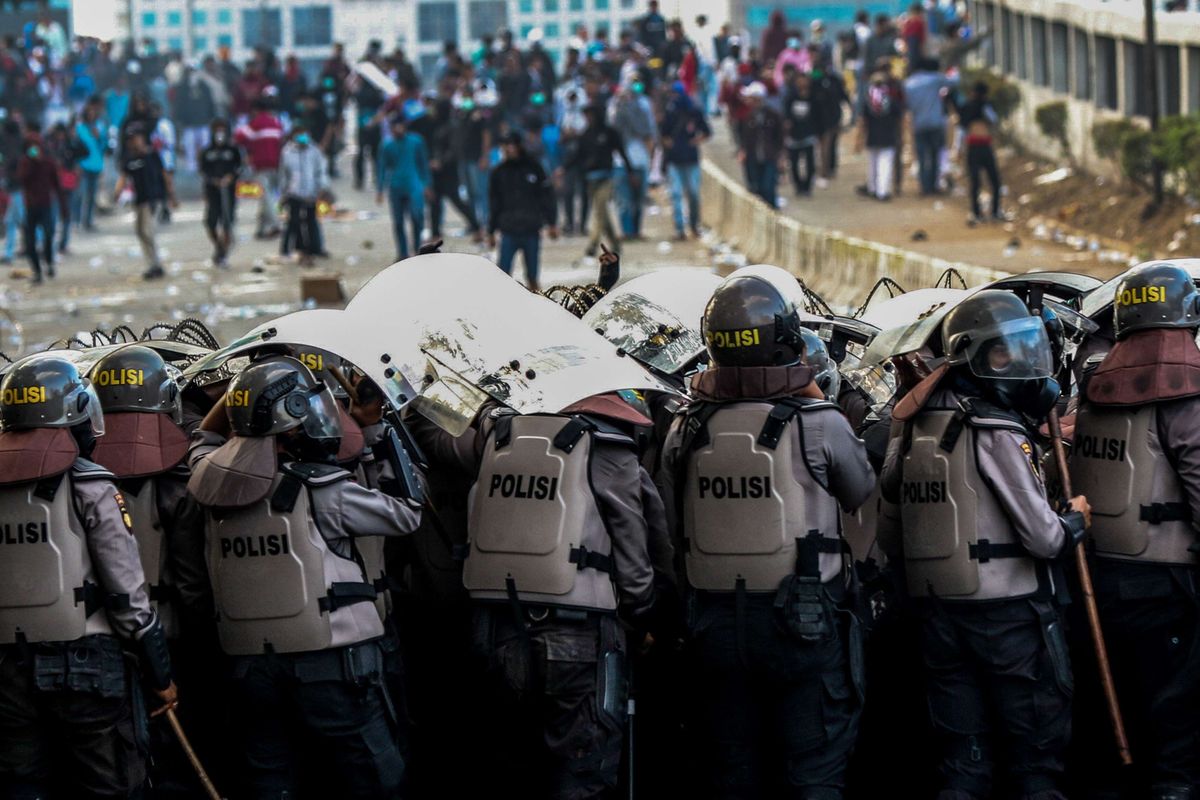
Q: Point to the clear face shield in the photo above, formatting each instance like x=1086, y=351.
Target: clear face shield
x=86, y=402
x=1016, y=350
x=171, y=393
x=321, y=420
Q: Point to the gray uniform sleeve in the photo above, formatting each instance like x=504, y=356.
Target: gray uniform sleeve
x=203, y=444
x=1010, y=465
x=616, y=476
x=848, y=474
x=891, y=477
x=662, y=554
x=183, y=529
x=1179, y=435
x=114, y=554
x=665, y=479
x=354, y=510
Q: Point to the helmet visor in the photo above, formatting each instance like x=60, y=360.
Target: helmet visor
x=91, y=406
x=322, y=420
x=1015, y=350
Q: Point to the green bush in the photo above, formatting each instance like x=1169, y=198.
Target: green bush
x=1003, y=94
x=1107, y=137
x=1052, y=121
x=1177, y=146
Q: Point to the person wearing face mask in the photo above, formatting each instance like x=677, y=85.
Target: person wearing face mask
x=979, y=543
x=220, y=164
x=1135, y=449
x=303, y=176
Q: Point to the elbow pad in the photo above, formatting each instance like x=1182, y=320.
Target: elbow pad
x=153, y=656
x=1074, y=530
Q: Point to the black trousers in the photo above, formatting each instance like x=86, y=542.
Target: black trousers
x=303, y=231
x=445, y=187
x=981, y=158
x=332, y=705
x=1149, y=615
x=775, y=716
x=556, y=705
x=808, y=153
x=368, y=150
x=39, y=219
x=67, y=724
x=999, y=681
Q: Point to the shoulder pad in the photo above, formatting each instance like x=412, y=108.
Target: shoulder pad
x=982, y=414
x=315, y=474
x=84, y=470
x=819, y=405
x=607, y=432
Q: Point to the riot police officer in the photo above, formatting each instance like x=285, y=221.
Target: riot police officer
x=759, y=464
x=71, y=595
x=295, y=609
x=1135, y=453
x=978, y=538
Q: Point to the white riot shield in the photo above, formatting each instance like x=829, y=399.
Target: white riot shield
x=324, y=328
x=908, y=321
x=656, y=317
x=449, y=321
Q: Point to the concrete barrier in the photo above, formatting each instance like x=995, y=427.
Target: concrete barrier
x=841, y=268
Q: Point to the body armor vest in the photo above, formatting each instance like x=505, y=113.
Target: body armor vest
x=371, y=550
x=535, y=530
x=141, y=496
x=1140, y=511
x=278, y=584
x=753, y=513
x=48, y=589
x=958, y=542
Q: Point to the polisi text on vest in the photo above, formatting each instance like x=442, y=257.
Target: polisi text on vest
x=524, y=487
x=734, y=487
x=24, y=533
x=273, y=544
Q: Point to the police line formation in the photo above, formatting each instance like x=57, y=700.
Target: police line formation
x=709, y=540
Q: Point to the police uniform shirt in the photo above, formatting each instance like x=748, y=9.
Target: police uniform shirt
x=114, y=552
x=1179, y=436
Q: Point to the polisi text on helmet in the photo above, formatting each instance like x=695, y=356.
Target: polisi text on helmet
x=120, y=377
x=1142, y=294
x=237, y=398
x=743, y=338
x=21, y=395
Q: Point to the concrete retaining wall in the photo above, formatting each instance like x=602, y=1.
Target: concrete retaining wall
x=841, y=268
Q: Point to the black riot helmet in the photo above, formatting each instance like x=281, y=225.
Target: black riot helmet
x=1158, y=295
x=992, y=337
x=279, y=394
x=137, y=379
x=825, y=369
x=47, y=391
x=749, y=322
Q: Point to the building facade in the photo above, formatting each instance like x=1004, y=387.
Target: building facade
x=1091, y=55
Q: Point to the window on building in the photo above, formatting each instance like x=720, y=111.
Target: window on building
x=224, y=16
x=225, y=40
x=524, y=6
x=199, y=44
x=628, y=3
x=1060, y=58
x=1136, y=99
x=437, y=22
x=1193, y=79
x=149, y=19
x=174, y=19
x=1008, y=32
x=1021, y=54
x=1083, y=86
x=1041, y=52
x=550, y=6
x=428, y=65
x=524, y=31
x=487, y=16
x=575, y=5
x=1106, y=71
x=199, y=16
x=552, y=30
x=312, y=25
x=1169, y=100
x=602, y=5
x=175, y=44
x=262, y=26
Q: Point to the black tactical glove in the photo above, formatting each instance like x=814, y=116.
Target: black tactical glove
x=1075, y=531
x=155, y=659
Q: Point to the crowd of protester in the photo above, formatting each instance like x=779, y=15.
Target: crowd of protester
x=517, y=142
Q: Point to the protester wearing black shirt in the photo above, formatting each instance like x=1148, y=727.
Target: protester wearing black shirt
x=594, y=158
x=220, y=164
x=444, y=165
x=801, y=115
x=143, y=170
x=522, y=200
